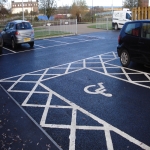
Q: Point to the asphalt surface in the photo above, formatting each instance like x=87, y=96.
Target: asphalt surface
x=72, y=93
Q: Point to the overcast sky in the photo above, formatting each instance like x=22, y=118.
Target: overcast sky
x=88, y=2
x=95, y=2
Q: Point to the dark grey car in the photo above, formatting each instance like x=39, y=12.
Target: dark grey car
x=17, y=32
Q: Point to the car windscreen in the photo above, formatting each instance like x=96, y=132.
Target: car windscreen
x=23, y=26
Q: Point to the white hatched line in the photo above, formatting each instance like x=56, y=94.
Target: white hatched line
x=107, y=126
x=32, y=91
x=118, y=78
x=148, y=77
x=84, y=63
x=67, y=69
x=15, y=83
x=101, y=60
x=90, y=127
x=72, y=136
x=126, y=74
x=108, y=138
x=143, y=81
x=43, y=120
x=62, y=74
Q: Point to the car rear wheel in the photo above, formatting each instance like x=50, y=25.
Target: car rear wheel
x=124, y=58
x=31, y=44
x=13, y=44
x=116, y=26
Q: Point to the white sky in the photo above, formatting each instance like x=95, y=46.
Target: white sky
x=88, y=2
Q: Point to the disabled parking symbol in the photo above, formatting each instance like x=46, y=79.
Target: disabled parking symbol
x=101, y=90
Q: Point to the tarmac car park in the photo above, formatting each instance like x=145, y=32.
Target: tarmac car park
x=76, y=91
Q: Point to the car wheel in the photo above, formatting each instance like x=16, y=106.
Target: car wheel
x=124, y=58
x=31, y=44
x=13, y=44
x=116, y=26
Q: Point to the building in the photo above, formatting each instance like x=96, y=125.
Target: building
x=144, y=3
x=16, y=7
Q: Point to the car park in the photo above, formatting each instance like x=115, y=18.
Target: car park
x=134, y=43
x=18, y=32
x=1, y=43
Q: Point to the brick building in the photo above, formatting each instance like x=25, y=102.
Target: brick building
x=16, y=7
x=145, y=3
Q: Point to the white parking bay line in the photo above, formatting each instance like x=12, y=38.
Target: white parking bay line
x=39, y=46
x=9, y=50
x=56, y=41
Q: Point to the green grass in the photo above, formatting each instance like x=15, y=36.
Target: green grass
x=101, y=26
x=39, y=34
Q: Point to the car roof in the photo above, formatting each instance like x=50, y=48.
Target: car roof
x=139, y=21
x=18, y=21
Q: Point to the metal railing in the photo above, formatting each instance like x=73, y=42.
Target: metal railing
x=54, y=28
x=104, y=23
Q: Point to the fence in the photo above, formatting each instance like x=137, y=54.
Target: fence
x=53, y=28
x=140, y=13
x=104, y=23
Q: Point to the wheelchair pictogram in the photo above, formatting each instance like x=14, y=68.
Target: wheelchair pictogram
x=101, y=90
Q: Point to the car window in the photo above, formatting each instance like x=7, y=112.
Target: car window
x=128, y=16
x=133, y=29
x=7, y=26
x=145, y=30
x=23, y=26
x=11, y=26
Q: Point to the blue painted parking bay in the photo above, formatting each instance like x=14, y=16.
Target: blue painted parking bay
x=92, y=103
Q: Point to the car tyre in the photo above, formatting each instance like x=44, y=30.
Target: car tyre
x=13, y=44
x=31, y=44
x=124, y=58
x=116, y=26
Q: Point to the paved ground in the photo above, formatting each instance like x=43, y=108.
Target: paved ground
x=17, y=129
x=73, y=93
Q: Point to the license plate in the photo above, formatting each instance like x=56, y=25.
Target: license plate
x=27, y=39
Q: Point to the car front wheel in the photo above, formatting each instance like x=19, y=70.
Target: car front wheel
x=116, y=26
x=124, y=58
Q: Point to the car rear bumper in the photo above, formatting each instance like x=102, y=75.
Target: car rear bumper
x=119, y=48
x=20, y=40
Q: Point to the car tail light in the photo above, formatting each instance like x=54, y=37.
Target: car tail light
x=17, y=33
x=119, y=38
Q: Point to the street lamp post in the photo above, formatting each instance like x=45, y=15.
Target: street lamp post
x=22, y=11
x=112, y=9
x=92, y=11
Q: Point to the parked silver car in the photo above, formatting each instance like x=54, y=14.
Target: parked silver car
x=17, y=32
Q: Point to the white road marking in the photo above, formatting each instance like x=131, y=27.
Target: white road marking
x=106, y=127
x=9, y=50
x=49, y=47
x=39, y=46
x=101, y=90
x=56, y=41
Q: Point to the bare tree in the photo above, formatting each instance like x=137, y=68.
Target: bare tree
x=49, y=7
x=78, y=9
x=132, y=3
